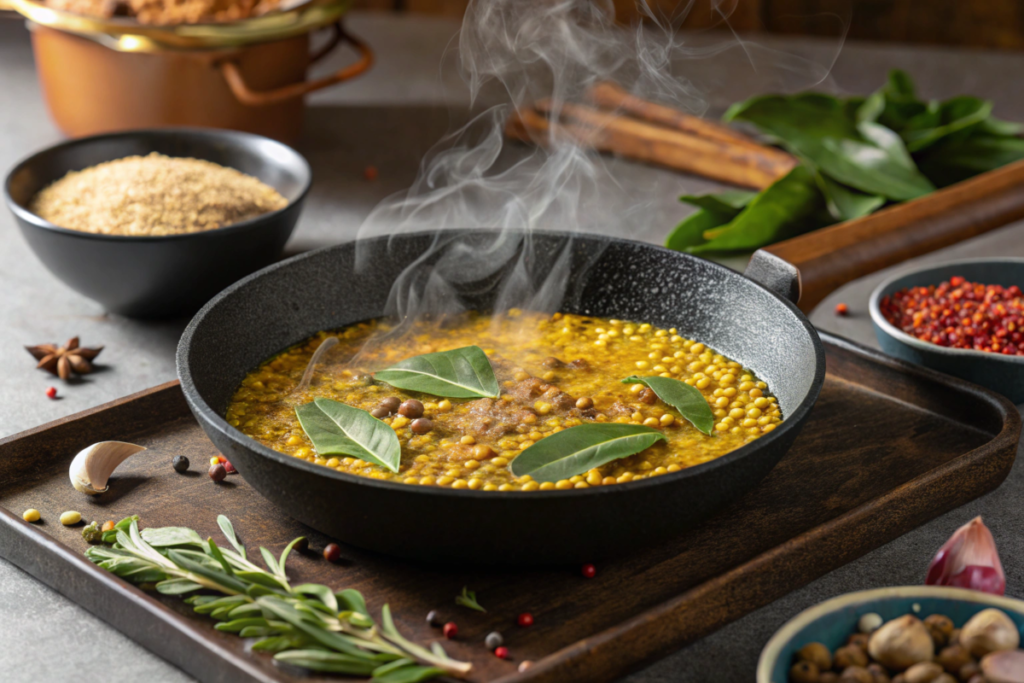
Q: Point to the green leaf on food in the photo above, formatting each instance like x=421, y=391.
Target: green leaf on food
x=688, y=400
x=339, y=429
x=584, y=447
x=459, y=373
x=468, y=599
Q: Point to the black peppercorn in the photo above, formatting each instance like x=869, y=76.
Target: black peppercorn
x=434, y=619
x=180, y=463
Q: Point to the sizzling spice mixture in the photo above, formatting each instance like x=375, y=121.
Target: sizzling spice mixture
x=154, y=195
x=555, y=371
x=167, y=12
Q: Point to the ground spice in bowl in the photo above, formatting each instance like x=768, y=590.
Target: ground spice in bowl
x=154, y=195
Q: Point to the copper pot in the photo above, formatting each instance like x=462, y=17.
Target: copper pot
x=106, y=75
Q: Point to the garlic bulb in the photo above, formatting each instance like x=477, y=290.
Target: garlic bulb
x=93, y=466
x=1005, y=666
x=988, y=631
x=901, y=643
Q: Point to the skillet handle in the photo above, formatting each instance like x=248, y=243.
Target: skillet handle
x=774, y=273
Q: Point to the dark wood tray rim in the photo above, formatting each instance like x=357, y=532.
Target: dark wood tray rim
x=650, y=634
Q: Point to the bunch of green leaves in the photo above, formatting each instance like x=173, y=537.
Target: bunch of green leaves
x=306, y=625
x=856, y=155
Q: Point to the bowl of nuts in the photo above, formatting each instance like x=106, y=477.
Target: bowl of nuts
x=909, y=634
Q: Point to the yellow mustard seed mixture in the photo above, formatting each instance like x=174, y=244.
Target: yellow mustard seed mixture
x=154, y=195
x=555, y=372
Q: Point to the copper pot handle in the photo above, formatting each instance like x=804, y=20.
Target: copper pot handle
x=260, y=98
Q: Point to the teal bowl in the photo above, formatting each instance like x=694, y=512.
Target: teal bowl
x=1002, y=374
x=832, y=622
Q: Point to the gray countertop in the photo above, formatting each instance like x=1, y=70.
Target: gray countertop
x=389, y=119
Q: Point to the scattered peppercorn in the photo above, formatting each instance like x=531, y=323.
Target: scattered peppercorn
x=501, y=653
x=217, y=473
x=421, y=425
x=450, y=630
x=70, y=517
x=332, y=553
x=30, y=515
x=589, y=571
x=411, y=409
x=107, y=526
x=524, y=665
x=842, y=309
x=525, y=619
x=301, y=545
x=434, y=619
x=229, y=467
x=370, y=173
x=493, y=640
x=51, y=392
x=180, y=463
x=961, y=314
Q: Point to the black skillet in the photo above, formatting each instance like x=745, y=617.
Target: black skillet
x=286, y=302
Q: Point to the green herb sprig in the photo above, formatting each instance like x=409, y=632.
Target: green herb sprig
x=308, y=625
x=468, y=599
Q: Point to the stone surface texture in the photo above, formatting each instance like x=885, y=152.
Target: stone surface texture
x=389, y=119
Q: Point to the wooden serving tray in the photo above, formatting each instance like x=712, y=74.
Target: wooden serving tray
x=887, y=447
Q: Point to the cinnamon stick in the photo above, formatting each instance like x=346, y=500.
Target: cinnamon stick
x=738, y=164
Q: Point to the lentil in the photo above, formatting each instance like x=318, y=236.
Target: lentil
x=70, y=517
x=471, y=442
x=31, y=515
x=961, y=314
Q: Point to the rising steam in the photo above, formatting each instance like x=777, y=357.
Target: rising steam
x=514, y=53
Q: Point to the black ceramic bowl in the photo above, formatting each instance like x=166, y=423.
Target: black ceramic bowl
x=285, y=303
x=1002, y=374
x=152, y=277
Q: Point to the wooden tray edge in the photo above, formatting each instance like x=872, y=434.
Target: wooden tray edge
x=716, y=603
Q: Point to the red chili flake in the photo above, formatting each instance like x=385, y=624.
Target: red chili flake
x=332, y=553
x=51, y=392
x=842, y=309
x=961, y=315
x=589, y=571
x=450, y=630
x=229, y=467
x=525, y=619
x=370, y=172
x=501, y=652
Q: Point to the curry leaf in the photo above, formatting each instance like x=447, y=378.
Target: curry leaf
x=845, y=203
x=955, y=159
x=584, y=447
x=688, y=400
x=940, y=120
x=459, y=373
x=339, y=429
x=714, y=210
x=784, y=209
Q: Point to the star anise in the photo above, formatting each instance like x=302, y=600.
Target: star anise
x=63, y=360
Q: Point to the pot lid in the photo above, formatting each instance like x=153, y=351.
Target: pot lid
x=127, y=35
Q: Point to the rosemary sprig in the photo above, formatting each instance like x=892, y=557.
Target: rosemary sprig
x=309, y=625
x=468, y=599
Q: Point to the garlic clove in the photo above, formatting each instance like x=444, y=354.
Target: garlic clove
x=969, y=559
x=1005, y=666
x=989, y=630
x=92, y=467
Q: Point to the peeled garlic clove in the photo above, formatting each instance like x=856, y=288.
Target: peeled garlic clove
x=1006, y=666
x=988, y=631
x=93, y=466
x=969, y=559
x=901, y=643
